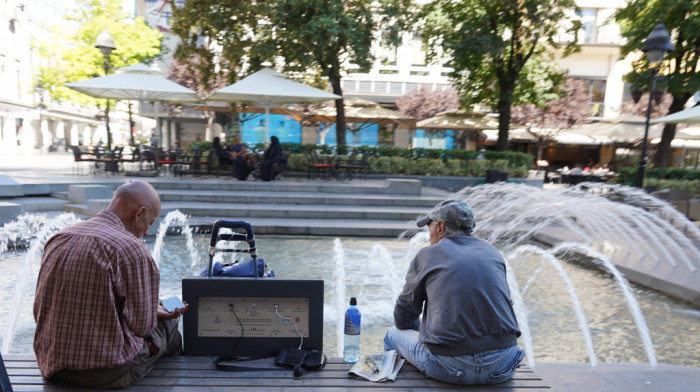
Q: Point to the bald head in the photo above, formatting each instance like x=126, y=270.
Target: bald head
x=137, y=205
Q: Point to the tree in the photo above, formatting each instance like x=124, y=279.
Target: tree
x=680, y=68
x=570, y=109
x=489, y=43
x=71, y=56
x=313, y=38
x=659, y=109
x=422, y=103
x=188, y=74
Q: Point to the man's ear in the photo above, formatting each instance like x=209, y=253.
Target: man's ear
x=140, y=213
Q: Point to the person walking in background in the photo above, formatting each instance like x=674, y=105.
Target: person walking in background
x=468, y=333
x=273, y=155
x=99, y=322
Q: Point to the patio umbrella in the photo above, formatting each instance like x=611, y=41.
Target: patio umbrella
x=270, y=88
x=226, y=108
x=135, y=82
x=458, y=120
x=621, y=129
x=688, y=116
x=364, y=112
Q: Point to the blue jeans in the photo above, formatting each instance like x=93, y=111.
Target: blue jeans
x=491, y=367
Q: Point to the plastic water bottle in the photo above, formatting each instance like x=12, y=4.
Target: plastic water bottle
x=351, y=351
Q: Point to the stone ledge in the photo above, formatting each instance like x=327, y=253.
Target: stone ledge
x=82, y=193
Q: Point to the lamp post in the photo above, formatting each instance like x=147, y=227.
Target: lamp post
x=105, y=43
x=655, y=46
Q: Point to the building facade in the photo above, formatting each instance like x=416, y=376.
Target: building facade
x=29, y=119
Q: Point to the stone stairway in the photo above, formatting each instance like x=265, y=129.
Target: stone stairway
x=383, y=208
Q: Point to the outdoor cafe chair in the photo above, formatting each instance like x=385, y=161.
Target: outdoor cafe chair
x=319, y=166
x=78, y=158
x=345, y=165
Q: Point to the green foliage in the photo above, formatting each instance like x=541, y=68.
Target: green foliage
x=297, y=162
x=379, y=165
x=628, y=175
x=315, y=39
x=500, y=165
x=342, y=149
x=692, y=186
x=206, y=145
x=490, y=43
x=477, y=167
x=71, y=56
x=680, y=68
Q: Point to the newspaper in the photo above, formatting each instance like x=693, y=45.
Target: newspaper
x=378, y=367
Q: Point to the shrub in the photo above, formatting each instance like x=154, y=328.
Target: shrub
x=379, y=165
x=297, y=163
x=399, y=165
x=477, y=167
x=456, y=167
x=430, y=166
x=518, y=171
x=502, y=165
x=692, y=186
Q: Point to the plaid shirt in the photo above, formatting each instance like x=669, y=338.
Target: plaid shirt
x=96, y=297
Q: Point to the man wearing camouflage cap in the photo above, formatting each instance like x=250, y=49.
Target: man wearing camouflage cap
x=468, y=333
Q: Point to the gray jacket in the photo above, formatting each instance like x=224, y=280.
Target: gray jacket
x=460, y=285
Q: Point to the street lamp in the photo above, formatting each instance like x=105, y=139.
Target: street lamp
x=657, y=44
x=105, y=43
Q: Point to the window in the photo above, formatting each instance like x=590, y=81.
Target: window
x=365, y=86
x=589, y=35
x=380, y=87
x=417, y=51
x=596, y=95
x=387, y=54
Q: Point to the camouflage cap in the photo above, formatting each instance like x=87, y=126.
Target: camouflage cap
x=456, y=214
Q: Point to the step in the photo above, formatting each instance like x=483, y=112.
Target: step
x=320, y=227
x=389, y=186
x=287, y=211
x=40, y=204
x=266, y=197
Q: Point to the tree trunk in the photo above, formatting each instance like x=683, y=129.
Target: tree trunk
x=663, y=151
x=505, y=100
x=334, y=78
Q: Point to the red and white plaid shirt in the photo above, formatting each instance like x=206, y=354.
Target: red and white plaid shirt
x=96, y=297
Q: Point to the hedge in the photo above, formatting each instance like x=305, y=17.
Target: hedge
x=662, y=178
x=426, y=166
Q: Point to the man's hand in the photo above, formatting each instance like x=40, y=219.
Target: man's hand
x=165, y=315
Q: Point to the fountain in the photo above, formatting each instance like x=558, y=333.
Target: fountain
x=577, y=223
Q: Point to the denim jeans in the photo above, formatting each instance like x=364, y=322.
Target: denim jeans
x=491, y=367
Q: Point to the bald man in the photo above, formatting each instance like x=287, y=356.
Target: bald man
x=99, y=321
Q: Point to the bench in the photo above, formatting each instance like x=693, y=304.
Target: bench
x=199, y=374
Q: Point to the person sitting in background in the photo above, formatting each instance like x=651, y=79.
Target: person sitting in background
x=224, y=156
x=273, y=155
x=576, y=171
x=468, y=333
x=244, y=162
x=99, y=322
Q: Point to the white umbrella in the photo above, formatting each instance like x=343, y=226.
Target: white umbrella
x=268, y=87
x=688, y=116
x=137, y=82
x=624, y=128
x=459, y=120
